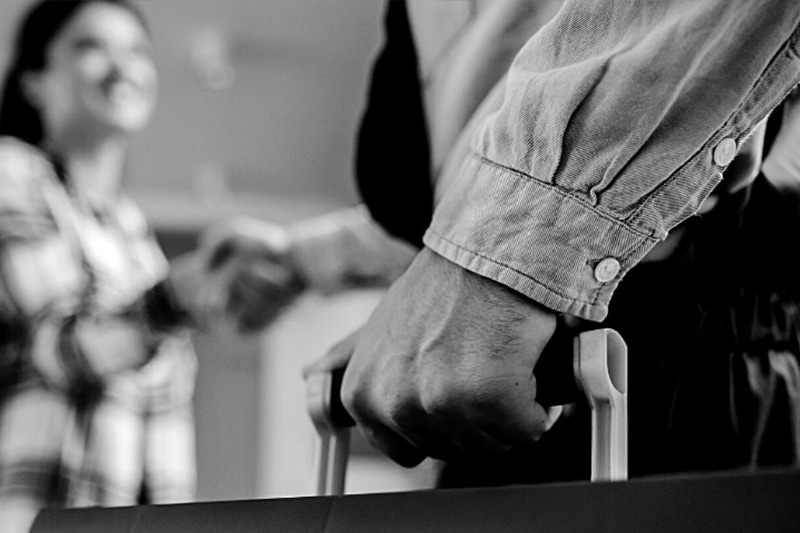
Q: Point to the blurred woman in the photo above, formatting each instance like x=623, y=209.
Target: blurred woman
x=96, y=365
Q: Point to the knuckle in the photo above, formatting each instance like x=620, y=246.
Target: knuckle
x=444, y=398
x=401, y=411
x=354, y=397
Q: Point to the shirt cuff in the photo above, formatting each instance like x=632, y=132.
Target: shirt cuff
x=535, y=238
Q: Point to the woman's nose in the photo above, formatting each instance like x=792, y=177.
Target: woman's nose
x=122, y=60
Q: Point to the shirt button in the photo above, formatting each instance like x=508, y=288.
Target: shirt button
x=725, y=152
x=606, y=270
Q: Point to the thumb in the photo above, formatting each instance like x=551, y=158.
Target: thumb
x=553, y=414
x=337, y=357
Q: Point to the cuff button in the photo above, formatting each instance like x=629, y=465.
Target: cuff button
x=606, y=270
x=724, y=152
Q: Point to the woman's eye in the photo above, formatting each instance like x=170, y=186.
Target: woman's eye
x=143, y=49
x=85, y=44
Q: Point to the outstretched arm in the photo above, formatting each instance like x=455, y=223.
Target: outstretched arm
x=267, y=265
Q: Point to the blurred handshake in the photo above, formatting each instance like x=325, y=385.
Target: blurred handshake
x=247, y=271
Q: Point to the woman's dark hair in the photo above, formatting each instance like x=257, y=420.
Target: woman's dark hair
x=42, y=22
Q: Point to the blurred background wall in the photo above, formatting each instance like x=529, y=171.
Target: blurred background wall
x=260, y=101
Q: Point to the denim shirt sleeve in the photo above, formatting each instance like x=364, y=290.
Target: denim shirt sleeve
x=617, y=122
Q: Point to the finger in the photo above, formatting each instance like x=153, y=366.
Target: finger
x=248, y=238
x=259, y=278
x=393, y=445
x=374, y=418
x=452, y=432
x=521, y=423
x=440, y=441
x=220, y=254
x=476, y=443
x=337, y=357
x=264, y=285
x=254, y=315
x=254, y=305
x=410, y=440
x=241, y=248
x=245, y=295
x=217, y=283
x=553, y=414
x=210, y=300
x=511, y=415
x=407, y=434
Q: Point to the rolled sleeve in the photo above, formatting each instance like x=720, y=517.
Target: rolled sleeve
x=617, y=123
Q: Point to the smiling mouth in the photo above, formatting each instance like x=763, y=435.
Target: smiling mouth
x=120, y=92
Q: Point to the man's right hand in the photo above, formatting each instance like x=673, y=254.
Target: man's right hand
x=444, y=366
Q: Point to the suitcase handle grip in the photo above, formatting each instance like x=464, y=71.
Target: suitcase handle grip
x=559, y=386
x=594, y=364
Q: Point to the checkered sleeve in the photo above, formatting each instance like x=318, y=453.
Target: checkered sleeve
x=38, y=267
x=80, y=321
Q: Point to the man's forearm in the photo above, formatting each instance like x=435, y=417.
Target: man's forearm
x=616, y=124
x=347, y=249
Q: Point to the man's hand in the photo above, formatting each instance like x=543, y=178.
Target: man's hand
x=337, y=357
x=444, y=366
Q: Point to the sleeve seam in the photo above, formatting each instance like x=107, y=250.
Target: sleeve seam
x=619, y=222
x=546, y=287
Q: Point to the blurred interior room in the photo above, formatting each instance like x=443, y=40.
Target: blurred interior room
x=258, y=108
x=258, y=114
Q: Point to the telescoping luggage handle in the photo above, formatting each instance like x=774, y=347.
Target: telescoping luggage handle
x=601, y=370
x=598, y=369
x=333, y=424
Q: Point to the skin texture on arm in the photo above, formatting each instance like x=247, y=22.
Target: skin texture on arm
x=347, y=249
x=467, y=380
x=468, y=366
x=264, y=267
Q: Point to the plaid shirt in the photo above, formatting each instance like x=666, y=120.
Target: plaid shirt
x=96, y=377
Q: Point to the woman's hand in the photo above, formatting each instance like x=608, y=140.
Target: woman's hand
x=241, y=272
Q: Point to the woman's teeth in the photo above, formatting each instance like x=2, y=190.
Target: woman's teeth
x=120, y=93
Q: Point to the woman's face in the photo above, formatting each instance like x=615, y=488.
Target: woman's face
x=99, y=76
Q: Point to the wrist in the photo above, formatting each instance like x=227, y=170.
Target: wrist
x=164, y=310
x=321, y=251
x=508, y=317
x=347, y=249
